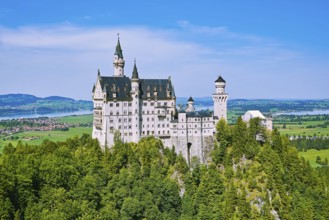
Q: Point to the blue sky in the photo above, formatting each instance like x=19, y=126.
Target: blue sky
x=263, y=49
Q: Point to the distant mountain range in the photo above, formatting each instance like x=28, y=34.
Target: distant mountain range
x=13, y=104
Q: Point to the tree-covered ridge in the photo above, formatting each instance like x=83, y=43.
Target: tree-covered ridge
x=252, y=174
x=21, y=104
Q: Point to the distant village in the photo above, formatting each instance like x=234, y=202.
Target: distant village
x=13, y=126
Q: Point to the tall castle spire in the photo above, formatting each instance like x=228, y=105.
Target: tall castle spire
x=118, y=61
x=135, y=72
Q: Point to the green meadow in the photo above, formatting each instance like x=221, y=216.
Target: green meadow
x=42, y=135
x=301, y=129
x=36, y=137
x=311, y=155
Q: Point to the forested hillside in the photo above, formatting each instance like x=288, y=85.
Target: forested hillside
x=245, y=179
x=18, y=104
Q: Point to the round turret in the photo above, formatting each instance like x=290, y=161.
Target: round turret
x=220, y=85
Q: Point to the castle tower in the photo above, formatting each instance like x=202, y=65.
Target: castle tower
x=118, y=61
x=220, y=99
x=135, y=104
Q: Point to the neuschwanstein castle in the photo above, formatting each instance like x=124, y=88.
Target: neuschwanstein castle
x=139, y=108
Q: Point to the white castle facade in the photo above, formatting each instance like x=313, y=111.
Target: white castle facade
x=139, y=108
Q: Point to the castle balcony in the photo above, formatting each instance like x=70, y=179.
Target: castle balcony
x=98, y=122
x=162, y=113
x=164, y=136
x=98, y=112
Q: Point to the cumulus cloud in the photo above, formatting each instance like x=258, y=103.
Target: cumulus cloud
x=63, y=60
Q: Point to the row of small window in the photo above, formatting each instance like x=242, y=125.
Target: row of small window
x=125, y=104
x=159, y=126
x=120, y=127
x=198, y=119
x=158, y=103
x=120, y=120
x=124, y=113
x=152, y=132
x=159, y=112
x=204, y=125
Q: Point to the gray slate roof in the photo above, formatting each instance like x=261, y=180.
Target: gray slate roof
x=122, y=87
x=199, y=114
x=220, y=79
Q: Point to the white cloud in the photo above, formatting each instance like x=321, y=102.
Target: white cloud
x=63, y=60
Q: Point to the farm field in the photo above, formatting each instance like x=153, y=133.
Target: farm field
x=42, y=135
x=311, y=155
x=303, y=128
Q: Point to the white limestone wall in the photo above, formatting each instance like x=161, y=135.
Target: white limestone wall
x=220, y=105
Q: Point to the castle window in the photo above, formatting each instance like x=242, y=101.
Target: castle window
x=111, y=113
x=129, y=104
x=148, y=112
x=117, y=113
x=195, y=126
x=125, y=112
x=111, y=104
x=125, y=127
x=165, y=103
x=152, y=119
x=111, y=120
x=145, y=103
x=167, y=125
x=111, y=128
x=152, y=104
x=158, y=125
x=119, y=119
x=125, y=120
x=195, y=132
x=118, y=104
x=129, y=126
x=152, y=112
x=125, y=104
x=168, y=132
x=119, y=126
x=129, y=119
x=129, y=113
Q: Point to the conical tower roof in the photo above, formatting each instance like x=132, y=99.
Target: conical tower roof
x=135, y=72
x=118, y=50
x=220, y=79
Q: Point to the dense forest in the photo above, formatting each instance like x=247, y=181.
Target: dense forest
x=251, y=174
